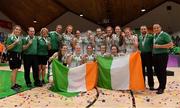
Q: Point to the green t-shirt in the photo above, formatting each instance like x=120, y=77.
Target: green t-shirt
x=161, y=39
x=32, y=49
x=18, y=47
x=42, y=46
x=145, y=43
x=55, y=40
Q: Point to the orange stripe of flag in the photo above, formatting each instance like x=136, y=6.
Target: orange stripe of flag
x=91, y=75
x=136, y=74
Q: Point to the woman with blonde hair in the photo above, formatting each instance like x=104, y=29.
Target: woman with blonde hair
x=14, y=48
x=43, y=46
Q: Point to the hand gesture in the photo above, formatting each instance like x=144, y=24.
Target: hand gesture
x=30, y=41
x=16, y=41
x=156, y=46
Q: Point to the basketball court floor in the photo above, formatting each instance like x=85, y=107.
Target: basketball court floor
x=98, y=98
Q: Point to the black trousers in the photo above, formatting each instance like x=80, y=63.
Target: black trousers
x=160, y=65
x=15, y=60
x=147, y=62
x=31, y=61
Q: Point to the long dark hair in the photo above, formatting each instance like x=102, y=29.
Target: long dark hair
x=121, y=40
x=116, y=48
x=60, y=53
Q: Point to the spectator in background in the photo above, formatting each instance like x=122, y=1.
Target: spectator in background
x=1, y=51
x=1, y=37
x=178, y=41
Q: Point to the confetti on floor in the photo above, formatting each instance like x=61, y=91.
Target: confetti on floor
x=41, y=97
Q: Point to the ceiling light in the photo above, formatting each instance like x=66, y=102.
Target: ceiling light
x=34, y=21
x=143, y=10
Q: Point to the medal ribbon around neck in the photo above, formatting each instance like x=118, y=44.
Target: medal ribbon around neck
x=154, y=40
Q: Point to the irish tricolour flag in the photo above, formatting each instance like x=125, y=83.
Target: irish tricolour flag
x=122, y=73
x=77, y=79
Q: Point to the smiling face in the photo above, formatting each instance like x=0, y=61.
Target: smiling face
x=103, y=49
x=78, y=33
x=44, y=32
x=109, y=31
x=98, y=31
x=143, y=30
x=89, y=49
x=69, y=29
x=17, y=30
x=77, y=49
x=64, y=49
x=114, y=50
x=127, y=31
x=117, y=30
x=156, y=28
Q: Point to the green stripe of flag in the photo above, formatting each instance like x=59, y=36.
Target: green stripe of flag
x=104, y=68
x=60, y=76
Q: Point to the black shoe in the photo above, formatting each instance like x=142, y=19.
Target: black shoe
x=43, y=82
x=17, y=85
x=29, y=85
x=15, y=88
x=160, y=91
x=37, y=84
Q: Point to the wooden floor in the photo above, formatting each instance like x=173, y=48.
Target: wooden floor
x=43, y=98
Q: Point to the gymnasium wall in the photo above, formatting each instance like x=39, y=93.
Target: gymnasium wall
x=5, y=18
x=169, y=19
x=78, y=22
